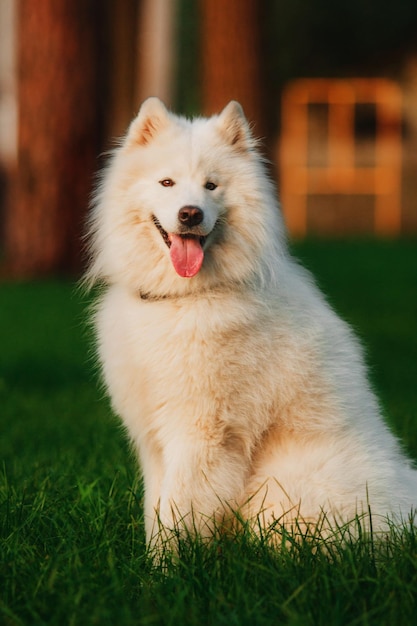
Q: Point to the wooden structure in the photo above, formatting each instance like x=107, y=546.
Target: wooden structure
x=340, y=173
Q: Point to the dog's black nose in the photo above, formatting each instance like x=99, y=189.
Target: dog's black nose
x=190, y=215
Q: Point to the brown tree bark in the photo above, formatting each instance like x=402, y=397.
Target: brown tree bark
x=232, y=58
x=57, y=143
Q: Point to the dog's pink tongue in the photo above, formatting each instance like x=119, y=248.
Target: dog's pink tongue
x=186, y=255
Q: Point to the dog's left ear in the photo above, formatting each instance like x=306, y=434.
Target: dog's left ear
x=152, y=117
x=234, y=127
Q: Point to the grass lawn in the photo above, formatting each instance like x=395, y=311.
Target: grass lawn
x=71, y=534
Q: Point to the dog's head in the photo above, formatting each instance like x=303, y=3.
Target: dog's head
x=184, y=205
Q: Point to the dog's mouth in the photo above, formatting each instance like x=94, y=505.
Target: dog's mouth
x=167, y=236
x=185, y=249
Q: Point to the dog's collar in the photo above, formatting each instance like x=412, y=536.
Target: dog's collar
x=147, y=296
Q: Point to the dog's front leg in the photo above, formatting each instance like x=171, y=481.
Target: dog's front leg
x=203, y=482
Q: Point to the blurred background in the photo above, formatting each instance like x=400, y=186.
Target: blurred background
x=74, y=72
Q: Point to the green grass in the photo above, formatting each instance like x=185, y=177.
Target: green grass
x=71, y=532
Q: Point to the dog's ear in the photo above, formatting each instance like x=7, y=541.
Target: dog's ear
x=234, y=127
x=152, y=117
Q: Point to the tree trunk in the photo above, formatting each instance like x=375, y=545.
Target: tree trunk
x=156, y=48
x=57, y=141
x=231, y=57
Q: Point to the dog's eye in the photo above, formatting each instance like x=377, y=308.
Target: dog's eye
x=210, y=186
x=167, y=182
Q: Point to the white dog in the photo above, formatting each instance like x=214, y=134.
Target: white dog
x=239, y=386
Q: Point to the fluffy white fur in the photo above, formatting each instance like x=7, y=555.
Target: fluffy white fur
x=239, y=387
